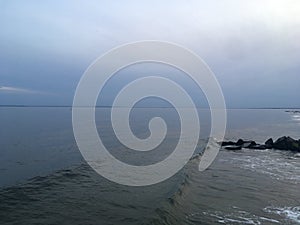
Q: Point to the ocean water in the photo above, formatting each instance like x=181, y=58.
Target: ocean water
x=44, y=179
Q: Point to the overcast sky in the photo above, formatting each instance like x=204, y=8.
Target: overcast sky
x=252, y=46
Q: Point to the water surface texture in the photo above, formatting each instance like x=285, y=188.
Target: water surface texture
x=44, y=179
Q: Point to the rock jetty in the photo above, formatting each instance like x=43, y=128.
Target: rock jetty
x=282, y=143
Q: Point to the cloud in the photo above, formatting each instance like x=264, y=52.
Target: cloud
x=13, y=90
x=249, y=44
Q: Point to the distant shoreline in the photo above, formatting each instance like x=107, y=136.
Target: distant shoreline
x=70, y=106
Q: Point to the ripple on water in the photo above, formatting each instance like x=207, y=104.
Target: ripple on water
x=237, y=216
x=276, y=164
x=290, y=213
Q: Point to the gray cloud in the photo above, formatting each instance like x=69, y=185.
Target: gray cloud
x=252, y=46
x=13, y=90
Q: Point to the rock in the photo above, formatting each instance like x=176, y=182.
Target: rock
x=292, y=111
x=233, y=147
x=226, y=143
x=249, y=144
x=287, y=143
x=240, y=142
x=269, y=143
x=260, y=147
x=245, y=144
x=297, y=155
x=283, y=143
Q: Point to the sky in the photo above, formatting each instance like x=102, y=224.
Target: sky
x=252, y=47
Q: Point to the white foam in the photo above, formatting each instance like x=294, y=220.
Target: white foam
x=239, y=217
x=278, y=165
x=291, y=213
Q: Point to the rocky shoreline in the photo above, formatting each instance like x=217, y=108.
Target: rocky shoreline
x=283, y=143
x=292, y=111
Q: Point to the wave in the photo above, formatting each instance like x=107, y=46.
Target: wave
x=79, y=189
x=279, y=165
x=239, y=217
x=48, y=196
x=289, y=213
x=285, y=215
x=169, y=213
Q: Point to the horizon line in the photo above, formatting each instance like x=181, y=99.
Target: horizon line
x=109, y=106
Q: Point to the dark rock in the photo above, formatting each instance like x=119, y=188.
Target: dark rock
x=283, y=143
x=233, y=148
x=287, y=143
x=269, y=143
x=240, y=142
x=245, y=144
x=226, y=143
x=249, y=144
x=292, y=111
x=260, y=147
